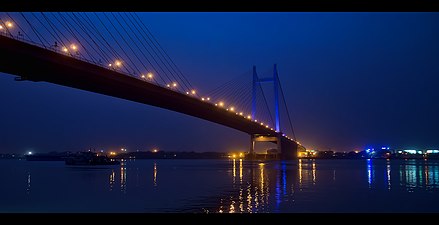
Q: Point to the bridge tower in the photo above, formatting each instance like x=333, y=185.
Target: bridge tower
x=286, y=148
x=273, y=79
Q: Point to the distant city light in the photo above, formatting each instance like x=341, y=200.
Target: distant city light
x=155, y=150
x=208, y=98
x=65, y=49
x=143, y=76
x=150, y=76
x=221, y=104
x=29, y=153
x=232, y=108
x=202, y=99
x=1, y=27
x=410, y=151
x=108, y=64
x=193, y=92
x=429, y=151
x=174, y=84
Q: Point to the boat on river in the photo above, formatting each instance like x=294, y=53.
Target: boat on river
x=90, y=158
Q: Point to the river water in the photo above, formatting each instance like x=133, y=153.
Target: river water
x=221, y=186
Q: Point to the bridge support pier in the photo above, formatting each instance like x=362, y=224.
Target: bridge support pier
x=252, y=147
x=286, y=149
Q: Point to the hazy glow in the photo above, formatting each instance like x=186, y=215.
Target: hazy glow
x=410, y=151
x=432, y=151
x=73, y=47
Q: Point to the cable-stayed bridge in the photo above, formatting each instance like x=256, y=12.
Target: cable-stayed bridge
x=115, y=54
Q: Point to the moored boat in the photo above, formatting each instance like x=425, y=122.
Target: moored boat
x=90, y=158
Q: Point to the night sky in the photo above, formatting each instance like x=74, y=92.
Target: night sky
x=351, y=80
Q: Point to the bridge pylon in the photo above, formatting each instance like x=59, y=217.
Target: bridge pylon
x=286, y=149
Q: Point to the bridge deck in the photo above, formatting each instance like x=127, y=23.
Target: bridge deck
x=38, y=64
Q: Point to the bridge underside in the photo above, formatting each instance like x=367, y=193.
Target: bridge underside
x=287, y=149
x=38, y=64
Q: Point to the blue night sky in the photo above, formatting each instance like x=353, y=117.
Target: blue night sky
x=351, y=80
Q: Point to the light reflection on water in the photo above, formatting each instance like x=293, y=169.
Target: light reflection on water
x=416, y=175
x=155, y=175
x=123, y=175
x=222, y=186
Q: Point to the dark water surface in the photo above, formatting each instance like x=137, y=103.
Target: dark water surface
x=212, y=186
